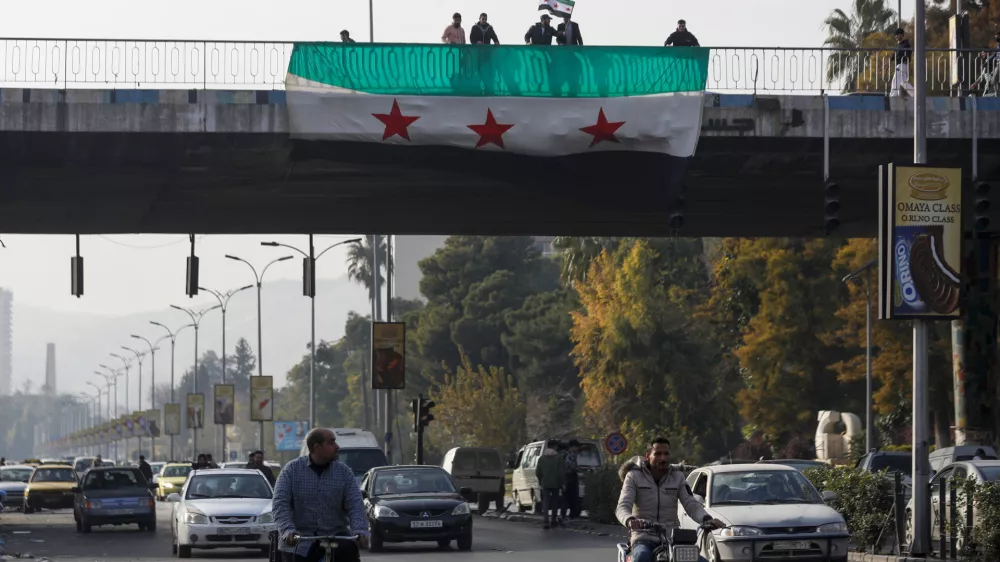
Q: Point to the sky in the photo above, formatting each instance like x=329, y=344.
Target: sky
x=129, y=274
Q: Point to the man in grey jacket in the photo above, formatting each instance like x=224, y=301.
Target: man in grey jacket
x=651, y=489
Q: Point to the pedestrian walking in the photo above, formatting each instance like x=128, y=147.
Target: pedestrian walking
x=901, y=78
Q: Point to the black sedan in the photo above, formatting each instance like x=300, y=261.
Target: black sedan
x=416, y=503
x=114, y=495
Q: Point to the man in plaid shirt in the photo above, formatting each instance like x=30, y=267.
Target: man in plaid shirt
x=316, y=495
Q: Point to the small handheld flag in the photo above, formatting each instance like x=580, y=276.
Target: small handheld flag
x=560, y=8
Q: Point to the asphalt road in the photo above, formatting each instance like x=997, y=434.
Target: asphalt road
x=52, y=534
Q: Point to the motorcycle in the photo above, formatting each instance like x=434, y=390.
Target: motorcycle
x=681, y=545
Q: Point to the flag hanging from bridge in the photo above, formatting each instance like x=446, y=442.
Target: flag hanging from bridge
x=561, y=8
x=549, y=115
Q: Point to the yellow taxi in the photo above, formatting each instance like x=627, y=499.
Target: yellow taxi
x=172, y=478
x=51, y=486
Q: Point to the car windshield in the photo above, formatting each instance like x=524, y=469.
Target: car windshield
x=762, y=487
x=413, y=481
x=175, y=471
x=54, y=475
x=113, y=480
x=15, y=474
x=990, y=473
x=203, y=486
x=362, y=460
x=893, y=463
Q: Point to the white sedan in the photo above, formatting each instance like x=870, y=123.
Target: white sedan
x=772, y=511
x=222, y=508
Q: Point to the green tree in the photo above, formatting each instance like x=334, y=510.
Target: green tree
x=241, y=366
x=360, y=266
x=576, y=253
x=849, y=32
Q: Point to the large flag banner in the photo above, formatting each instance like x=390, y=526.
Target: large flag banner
x=261, y=399
x=195, y=411
x=560, y=8
x=582, y=121
x=225, y=404
x=172, y=418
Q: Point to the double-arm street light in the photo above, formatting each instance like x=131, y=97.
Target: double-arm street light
x=173, y=348
x=152, y=385
x=196, y=318
x=309, y=289
x=224, y=304
x=869, y=421
x=260, y=337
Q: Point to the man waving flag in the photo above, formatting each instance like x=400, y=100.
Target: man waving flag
x=560, y=8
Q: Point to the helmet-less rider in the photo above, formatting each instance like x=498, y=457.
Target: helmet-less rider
x=651, y=489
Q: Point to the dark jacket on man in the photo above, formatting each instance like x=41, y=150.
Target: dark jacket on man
x=539, y=34
x=146, y=470
x=681, y=39
x=575, y=38
x=904, y=52
x=263, y=469
x=483, y=34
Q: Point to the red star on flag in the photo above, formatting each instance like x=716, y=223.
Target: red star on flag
x=603, y=130
x=395, y=122
x=491, y=131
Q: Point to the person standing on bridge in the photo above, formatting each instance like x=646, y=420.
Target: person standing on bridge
x=568, y=32
x=681, y=37
x=541, y=33
x=345, y=37
x=454, y=34
x=902, y=56
x=483, y=33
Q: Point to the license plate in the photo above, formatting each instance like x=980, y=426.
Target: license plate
x=686, y=554
x=426, y=524
x=792, y=545
x=119, y=512
x=234, y=531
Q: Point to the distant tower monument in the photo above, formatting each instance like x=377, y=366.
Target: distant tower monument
x=50, y=368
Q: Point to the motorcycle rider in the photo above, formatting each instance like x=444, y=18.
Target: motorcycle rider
x=651, y=489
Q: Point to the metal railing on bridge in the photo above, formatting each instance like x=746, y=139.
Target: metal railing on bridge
x=147, y=64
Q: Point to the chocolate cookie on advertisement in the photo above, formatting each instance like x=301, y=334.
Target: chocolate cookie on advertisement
x=925, y=283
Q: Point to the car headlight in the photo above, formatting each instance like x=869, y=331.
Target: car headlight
x=383, y=511
x=195, y=518
x=738, y=531
x=267, y=517
x=461, y=509
x=832, y=528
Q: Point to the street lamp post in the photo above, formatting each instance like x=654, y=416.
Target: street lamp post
x=138, y=357
x=98, y=407
x=196, y=318
x=152, y=385
x=260, y=331
x=112, y=379
x=224, y=304
x=309, y=261
x=173, y=348
x=869, y=415
x=127, y=407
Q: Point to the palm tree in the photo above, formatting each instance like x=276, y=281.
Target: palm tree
x=577, y=253
x=359, y=263
x=849, y=33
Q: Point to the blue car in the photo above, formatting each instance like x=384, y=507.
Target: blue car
x=114, y=495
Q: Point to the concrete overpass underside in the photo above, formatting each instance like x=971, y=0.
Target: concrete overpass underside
x=188, y=178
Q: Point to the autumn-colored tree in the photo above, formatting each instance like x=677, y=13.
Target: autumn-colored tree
x=477, y=407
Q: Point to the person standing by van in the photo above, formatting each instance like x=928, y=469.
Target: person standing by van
x=551, y=475
x=571, y=494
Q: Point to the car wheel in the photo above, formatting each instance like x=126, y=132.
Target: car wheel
x=465, y=541
x=483, y=503
x=712, y=551
x=142, y=526
x=183, y=551
x=908, y=536
x=79, y=525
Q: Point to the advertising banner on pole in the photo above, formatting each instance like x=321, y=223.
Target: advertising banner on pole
x=153, y=423
x=289, y=435
x=195, y=411
x=225, y=404
x=172, y=419
x=921, y=243
x=389, y=355
x=261, y=398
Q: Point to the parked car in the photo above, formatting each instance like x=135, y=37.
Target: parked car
x=891, y=462
x=50, y=486
x=524, y=483
x=944, y=456
x=481, y=470
x=797, y=464
x=416, y=503
x=772, y=512
x=222, y=508
x=114, y=496
x=13, y=482
x=980, y=471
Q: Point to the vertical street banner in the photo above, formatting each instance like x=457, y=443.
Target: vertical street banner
x=153, y=423
x=289, y=435
x=195, y=411
x=140, y=426
x=172, y=418
x=261, y=399
x=388, y=355
x=225, y=404
x=921, y=243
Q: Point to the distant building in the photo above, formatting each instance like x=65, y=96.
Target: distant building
x=50, y=369
x=6, y=342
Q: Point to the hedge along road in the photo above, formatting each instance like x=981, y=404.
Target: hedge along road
x=52, y=534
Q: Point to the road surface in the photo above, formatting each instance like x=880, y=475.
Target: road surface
x=52, y=534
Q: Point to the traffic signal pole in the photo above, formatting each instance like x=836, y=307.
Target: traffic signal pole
x=422, y=416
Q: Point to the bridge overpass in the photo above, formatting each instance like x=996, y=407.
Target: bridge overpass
x=170, y=155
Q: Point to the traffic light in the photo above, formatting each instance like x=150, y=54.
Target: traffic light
x=831, y=208
x=421, y=417
x=981, y=206
x=426, y=417
x=308, y=277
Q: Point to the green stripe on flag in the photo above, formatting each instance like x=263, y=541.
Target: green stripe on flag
x=502, y=70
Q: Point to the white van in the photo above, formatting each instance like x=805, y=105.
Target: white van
x=944, y=456
x=525, y=491
x=358, y=449
x=479, y=469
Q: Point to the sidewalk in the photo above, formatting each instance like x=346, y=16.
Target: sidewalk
x=579, y=525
